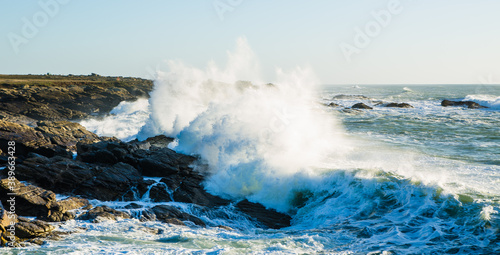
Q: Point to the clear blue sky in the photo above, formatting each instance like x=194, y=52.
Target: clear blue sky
x=425, y=41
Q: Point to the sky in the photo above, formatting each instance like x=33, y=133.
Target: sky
x=345, y=42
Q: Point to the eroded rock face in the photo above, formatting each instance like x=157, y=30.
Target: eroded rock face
x=32, y=229
x=28, y=199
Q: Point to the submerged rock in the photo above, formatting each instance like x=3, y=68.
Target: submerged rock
x=399, y=105
x=172, y=215
x=469, y=104
x=361, y=106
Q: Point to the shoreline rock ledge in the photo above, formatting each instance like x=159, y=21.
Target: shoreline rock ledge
x=36, y=112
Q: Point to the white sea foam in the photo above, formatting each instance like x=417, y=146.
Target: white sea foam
x=124, y=121
x=257, y=138
x=489, y=101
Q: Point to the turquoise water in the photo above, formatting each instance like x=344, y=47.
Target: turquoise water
x=422, y=180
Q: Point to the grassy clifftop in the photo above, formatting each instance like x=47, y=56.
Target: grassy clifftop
x=26, y=98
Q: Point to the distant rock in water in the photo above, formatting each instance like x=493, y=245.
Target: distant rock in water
x=361, y=106
x=342, y=96
x=400, y=105
x=333, y=105
x=469, y=104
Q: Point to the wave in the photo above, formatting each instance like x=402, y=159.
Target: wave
x=489, y=101
x=406, y=89
x=257, y=138
x=273, y=144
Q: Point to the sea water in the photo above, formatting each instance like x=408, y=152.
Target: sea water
x=383, y=181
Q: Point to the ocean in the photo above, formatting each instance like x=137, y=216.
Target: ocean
x=422, y=180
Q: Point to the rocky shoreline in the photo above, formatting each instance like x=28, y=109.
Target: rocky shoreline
x=55, y=155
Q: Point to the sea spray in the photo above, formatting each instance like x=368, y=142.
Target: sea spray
x=124, y=121
x=257, y=138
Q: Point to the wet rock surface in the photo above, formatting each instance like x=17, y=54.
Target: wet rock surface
x=468, y=104
x=361, y=106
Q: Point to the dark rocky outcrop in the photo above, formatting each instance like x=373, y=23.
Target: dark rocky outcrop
x=469, y=104
x=101, y=213
x=29, y=200
x=399, y=105
x=269, y=218
x=361, y=106
x=69, y=176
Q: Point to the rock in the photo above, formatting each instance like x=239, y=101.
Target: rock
x=28, y=199
x=160, y=141
x=71, y=203
x=158, y=193
x=333, y=105
x=26, y=139
x=101, y=213
x=6, y=219
x=66, y=133
x=32, y=229
x=400, y=105
x=64, y=175
x=165, y=162
x=60, y=210
x=47, y=138
x=172, y=215
x=361, y=106
x=268, y=217
x=191, y=191
x=469, y=104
